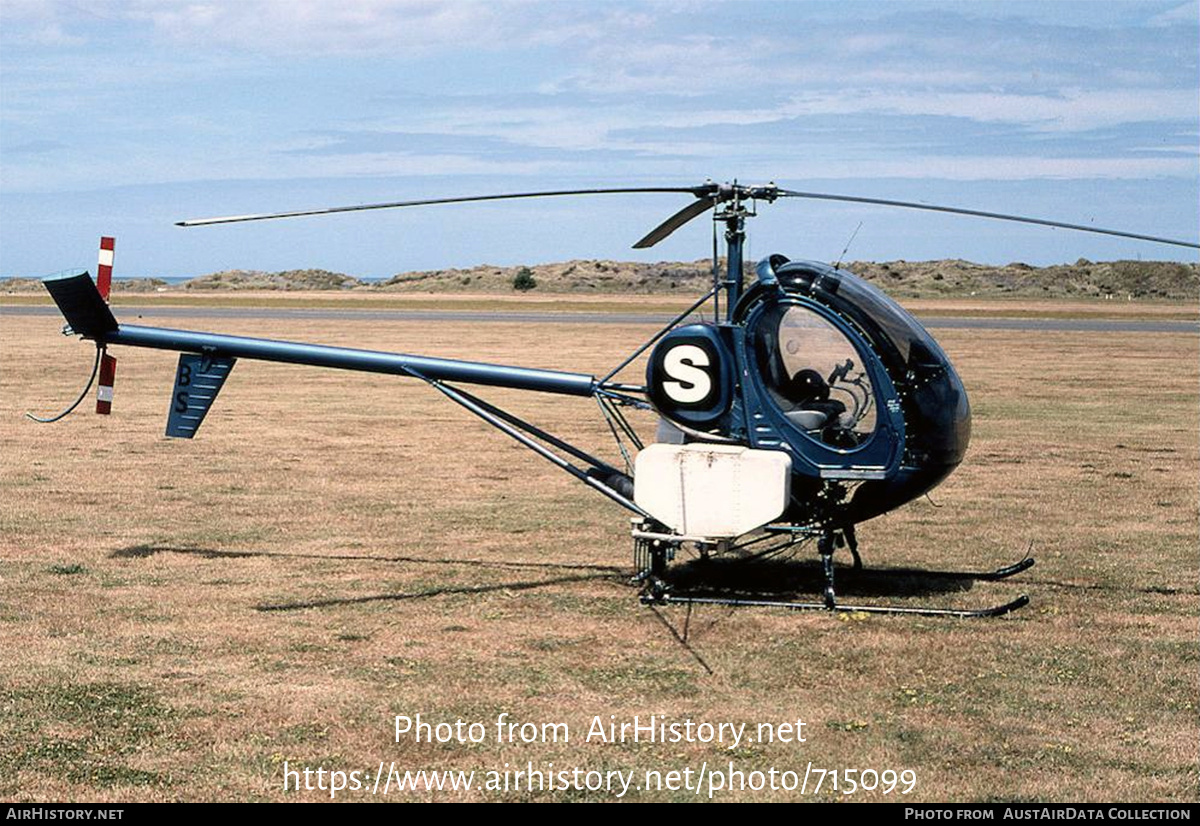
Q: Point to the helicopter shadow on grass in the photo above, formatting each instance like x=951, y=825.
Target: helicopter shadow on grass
x=778, y=579
x=801, y=579
x=587, y=572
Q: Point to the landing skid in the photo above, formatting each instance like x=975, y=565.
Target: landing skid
x=667, y=598
x=1004, y=573
x=657, y=591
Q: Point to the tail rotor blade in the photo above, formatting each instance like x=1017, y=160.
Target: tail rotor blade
x=104, y=265
x=1000, y=216
x=104, y=390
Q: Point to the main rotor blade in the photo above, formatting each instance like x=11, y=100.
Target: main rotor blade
x=821, y=196
x=232, y=219
x=676, y=221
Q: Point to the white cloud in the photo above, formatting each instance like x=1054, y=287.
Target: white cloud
x=1068, y=110
x=1006, y=168
x=1183, y=13
x=314, y=27
x=614, y=75
x=389, y=28
x=39, y=23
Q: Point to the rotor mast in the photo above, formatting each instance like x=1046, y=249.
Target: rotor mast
x=734, y=218
x=732, y=210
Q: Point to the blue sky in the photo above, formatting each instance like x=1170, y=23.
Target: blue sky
x=124, y=117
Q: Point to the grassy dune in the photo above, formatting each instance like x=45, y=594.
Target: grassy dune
x=949, y=278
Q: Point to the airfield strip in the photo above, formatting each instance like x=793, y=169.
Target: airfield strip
x=1066, y=325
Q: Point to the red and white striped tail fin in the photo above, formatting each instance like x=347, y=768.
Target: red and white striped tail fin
x=108, y=364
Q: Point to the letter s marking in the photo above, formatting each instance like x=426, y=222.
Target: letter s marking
x=684, y=363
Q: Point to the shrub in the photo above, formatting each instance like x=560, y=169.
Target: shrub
x=524, y=280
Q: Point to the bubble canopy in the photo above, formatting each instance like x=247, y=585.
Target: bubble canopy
x=815, y=374
x=936, y=413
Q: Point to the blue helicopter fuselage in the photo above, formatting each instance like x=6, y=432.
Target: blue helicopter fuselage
x=818, y=363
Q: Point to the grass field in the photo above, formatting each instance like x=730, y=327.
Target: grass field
x=180, y=619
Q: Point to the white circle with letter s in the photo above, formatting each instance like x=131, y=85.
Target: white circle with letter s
x=685, y=364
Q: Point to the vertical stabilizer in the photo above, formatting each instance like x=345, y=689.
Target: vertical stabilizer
x=198, y=380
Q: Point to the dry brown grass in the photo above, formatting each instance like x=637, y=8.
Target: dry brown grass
x=385, y=525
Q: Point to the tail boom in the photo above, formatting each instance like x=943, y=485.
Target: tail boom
x=345, y=358
x=88, y=315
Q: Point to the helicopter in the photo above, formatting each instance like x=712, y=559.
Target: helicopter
x=811, y=403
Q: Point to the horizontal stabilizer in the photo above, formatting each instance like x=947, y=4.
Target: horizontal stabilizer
x=197, y=383
x=81, y=304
